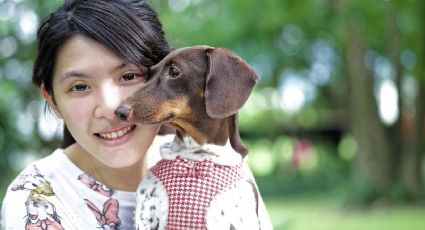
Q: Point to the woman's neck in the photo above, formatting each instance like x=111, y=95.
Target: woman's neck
x=124, y=179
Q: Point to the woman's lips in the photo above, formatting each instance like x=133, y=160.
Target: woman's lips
x=116, y=137
x=116, y=134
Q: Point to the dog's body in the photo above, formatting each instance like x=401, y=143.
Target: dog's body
x=195, y=188
x=200, y=182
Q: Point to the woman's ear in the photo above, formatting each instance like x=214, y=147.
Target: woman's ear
x=48, y=97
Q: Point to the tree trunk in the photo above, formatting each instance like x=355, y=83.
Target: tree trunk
x=372, y=166
x=413, y=147
x=397, y=139
x=413, y=153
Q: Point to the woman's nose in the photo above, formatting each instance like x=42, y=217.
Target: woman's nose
x=108, y=99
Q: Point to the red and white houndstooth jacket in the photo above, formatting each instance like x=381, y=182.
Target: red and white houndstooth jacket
x=199, y=187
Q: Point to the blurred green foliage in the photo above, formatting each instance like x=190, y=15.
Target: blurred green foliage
x=298, y=123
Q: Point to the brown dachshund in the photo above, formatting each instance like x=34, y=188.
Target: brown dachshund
x=200, y=182
x=198, y=91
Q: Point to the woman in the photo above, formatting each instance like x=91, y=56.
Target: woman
x=92, y=54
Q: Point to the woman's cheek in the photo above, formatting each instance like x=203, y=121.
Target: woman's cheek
x=75, y=110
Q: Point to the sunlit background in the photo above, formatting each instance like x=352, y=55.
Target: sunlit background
x=335, y=127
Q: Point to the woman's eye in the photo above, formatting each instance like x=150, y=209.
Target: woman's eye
x=133, y=77
x=79, y=88
x=173, y=72
x=129, y=77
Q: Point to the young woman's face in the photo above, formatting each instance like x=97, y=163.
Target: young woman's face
x=89, y=83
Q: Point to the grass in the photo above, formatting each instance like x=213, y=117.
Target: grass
x=327, y=213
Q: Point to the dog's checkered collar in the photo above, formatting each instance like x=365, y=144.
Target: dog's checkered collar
x=189, y=149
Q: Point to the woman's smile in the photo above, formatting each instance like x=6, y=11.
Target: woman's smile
x=117, y=136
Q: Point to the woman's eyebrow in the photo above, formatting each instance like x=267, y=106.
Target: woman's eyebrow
x=73, y=73
x=120, y=66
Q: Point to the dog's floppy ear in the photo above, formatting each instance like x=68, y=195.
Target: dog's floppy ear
x=229, y=83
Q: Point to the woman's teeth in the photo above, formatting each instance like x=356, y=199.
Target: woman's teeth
x=116, y=134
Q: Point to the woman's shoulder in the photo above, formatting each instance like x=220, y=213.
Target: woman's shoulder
x=35, y=172
x=31, y=176
x=35, y=196
x=28, y=197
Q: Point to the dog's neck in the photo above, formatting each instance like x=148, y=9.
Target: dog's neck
x=186, y=147
x=213, y=131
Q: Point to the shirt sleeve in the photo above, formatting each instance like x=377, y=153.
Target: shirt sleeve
x=27, y=203
x=14, y=210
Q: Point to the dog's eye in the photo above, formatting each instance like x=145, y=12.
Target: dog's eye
x=173, y=72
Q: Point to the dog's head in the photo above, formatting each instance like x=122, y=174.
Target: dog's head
x=193, y=89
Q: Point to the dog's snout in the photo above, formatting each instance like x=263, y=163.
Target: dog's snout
x=123, y=112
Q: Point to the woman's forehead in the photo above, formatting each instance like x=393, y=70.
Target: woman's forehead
x=82, y=55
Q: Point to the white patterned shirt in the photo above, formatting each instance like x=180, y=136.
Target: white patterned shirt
x=53, y=193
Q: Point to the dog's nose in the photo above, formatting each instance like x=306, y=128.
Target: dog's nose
x=123, y=112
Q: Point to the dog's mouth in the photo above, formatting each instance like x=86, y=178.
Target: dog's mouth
x=163, y=120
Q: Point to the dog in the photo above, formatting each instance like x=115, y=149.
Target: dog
x=200, y=182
